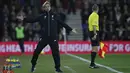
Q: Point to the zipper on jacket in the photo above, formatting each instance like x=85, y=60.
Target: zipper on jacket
x=48, y=24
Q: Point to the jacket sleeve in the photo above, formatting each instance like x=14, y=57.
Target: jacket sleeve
x=60, y=22
x=32, y=20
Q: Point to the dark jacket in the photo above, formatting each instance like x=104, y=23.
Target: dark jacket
x=49, y=22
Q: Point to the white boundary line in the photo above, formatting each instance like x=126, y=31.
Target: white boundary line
x=87, y=61
x=67, y=67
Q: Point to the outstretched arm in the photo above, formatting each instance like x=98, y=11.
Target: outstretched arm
x=29, y=20
x=68, y=28
x=32, y=20
x=60, y=22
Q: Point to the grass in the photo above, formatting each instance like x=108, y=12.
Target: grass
x=120, y=62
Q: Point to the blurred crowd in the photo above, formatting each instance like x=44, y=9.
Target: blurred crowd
x=11, y=22
x=114, y=17
x=29, y=9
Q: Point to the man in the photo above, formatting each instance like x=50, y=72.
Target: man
x=20, y=36
x=94, y=36
x=49, y=22
x=71, y=6
x=84, y=18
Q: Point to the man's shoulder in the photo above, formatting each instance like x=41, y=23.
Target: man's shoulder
x=94, y=14
x=41, y=14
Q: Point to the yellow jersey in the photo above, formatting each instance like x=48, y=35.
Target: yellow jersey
x=93, y=20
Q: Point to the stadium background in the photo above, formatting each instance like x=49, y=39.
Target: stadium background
x=114, y=31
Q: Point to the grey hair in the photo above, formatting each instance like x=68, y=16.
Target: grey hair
x=95, y=7
x=46, y=2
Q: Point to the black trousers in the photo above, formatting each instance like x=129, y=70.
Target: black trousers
x=94, y=42
x=21, y=44
x=54, y=47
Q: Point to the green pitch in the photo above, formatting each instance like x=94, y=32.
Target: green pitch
x=74, y=65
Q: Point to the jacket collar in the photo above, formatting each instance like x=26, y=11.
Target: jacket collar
x=47, y=11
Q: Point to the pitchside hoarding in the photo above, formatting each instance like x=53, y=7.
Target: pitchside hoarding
x=73, y=47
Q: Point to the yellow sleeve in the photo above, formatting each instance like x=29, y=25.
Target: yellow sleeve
x=95, y=20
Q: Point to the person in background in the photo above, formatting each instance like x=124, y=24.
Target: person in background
x=71, y=6
x=12, y=14
x=60, y=32
x=120, y=32
x=2, y=58
x=20, y=35
x=6, y=10
x=6, y=37
x=36, y=38
x=127, y=35
x=84, y=19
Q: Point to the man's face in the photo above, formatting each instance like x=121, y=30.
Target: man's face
x=47, y=7
x=19, y=25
